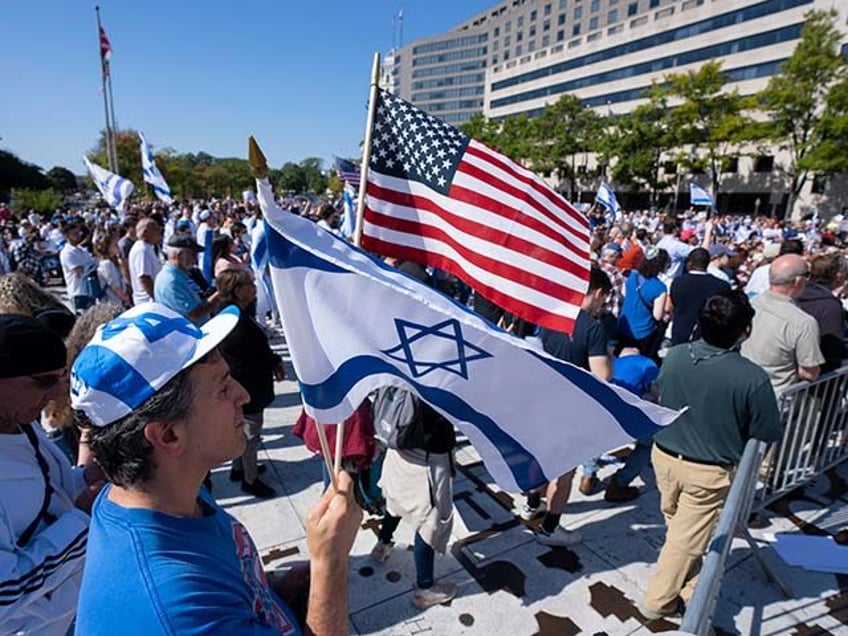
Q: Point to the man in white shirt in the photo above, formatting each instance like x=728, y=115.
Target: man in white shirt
x=76, y=263
x=678, y=251
x=144, y=263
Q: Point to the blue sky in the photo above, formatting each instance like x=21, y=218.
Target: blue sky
x=201, y=74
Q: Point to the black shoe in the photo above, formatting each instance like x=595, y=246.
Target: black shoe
x=258, y=489
x=238, y=475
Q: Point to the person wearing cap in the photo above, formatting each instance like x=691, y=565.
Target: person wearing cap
x=44, y=503
x=144, y=263
x=162, y=409
x=175, y=288
x=719, y=259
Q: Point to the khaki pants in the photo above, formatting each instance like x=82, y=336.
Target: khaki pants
x=691, y=497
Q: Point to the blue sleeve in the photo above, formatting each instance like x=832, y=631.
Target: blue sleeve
x=177, y=296
x=653, y=289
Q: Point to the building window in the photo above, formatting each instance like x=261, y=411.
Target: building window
x=632, y=9
x=561, y=19
x=593, y=36
x=560, y=36
x=612, y=16
x=518, y=51
x=669, y=167
x=532, y=32
x=506, y=54
x=563, y=4
x=764, y=163
x=595, y=6
x=507, y=41
x=547, y=9
x=819, y=184
x=546, y=25
x=533, y=16
x=519, y=36
x=578, y=13
x=574, y=43
x=495, y=45
x=508, y=27
x=546, y=41
x=575, y=30
x=654, y=4
x=494, y=59
x=531, y=46
x=520, y=22
x=593, y=23
x=496, y=32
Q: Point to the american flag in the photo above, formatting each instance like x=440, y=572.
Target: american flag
x=348, y=172
x=437, y=197
x=105, y=51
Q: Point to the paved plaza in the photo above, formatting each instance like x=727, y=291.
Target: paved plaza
x=509, y=583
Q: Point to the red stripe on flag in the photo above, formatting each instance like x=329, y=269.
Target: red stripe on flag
x=473, y=228
x=521, y=276
x=479, y=150
x=529, y=312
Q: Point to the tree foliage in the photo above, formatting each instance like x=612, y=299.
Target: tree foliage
x=806, y=103
x=42, y=201
x=62, y=179
x=15, y=173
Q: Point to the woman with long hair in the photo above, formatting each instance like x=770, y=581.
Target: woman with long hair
x=224, y=257
x=107, y=253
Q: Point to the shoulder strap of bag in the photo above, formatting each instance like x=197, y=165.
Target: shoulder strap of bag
x=26, y=535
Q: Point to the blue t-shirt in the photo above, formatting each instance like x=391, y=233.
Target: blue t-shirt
x=149, y=573
x=637, y=319
x=174, y=288
x=635, y=373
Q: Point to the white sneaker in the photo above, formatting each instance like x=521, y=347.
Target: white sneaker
x=528, y=512
x=382, y=551
x=559, y=537
x=436, y=595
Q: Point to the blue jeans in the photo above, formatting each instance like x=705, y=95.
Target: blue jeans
x=424, y=555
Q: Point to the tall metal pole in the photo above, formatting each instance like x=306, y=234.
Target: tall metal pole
x=114, y=122
x=366, y=149
x=110, y=156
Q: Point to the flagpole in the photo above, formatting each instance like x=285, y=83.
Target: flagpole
x=114, y=123
x=109, y=149
x=366, y=150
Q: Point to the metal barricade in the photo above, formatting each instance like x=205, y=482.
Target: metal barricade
x=815, y=438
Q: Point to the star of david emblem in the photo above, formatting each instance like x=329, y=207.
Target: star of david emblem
x=414, y=340
x=153, y=326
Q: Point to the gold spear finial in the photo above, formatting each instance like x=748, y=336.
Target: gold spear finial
x=256, y=159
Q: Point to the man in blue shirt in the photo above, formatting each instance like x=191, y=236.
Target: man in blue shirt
x=161, y=409
x=175, y=289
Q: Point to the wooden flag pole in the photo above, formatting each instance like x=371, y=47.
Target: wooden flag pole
x=325, y=451
x=366, y=150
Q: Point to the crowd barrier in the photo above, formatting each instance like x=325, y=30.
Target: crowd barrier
x=815, y=439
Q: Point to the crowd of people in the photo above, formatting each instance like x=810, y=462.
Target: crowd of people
x=157, y=368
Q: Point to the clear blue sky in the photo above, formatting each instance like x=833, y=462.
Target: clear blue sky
x=201, y=74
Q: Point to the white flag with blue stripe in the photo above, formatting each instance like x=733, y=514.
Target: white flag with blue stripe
x=606, y=197
x=349, y=216
x=152, y=174
x=354, y=324
x=259, y=264
x=115, y=189
x=699, y=196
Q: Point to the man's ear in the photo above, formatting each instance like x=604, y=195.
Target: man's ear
x=167, y=438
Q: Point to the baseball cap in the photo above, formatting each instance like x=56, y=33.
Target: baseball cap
x=612, y=247
x=717, y=249
x=685, y=235
x=27, y=347
x=183, y=223
x=134, y=355
x=205, y=215
x=184, y=242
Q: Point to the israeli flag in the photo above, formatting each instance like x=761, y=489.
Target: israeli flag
x=205, y=238
x=152, y=174
x=349, y=217
x=354, y=324
x=606, y=197
x=699, y=196
x=115, y=189
x=259, y=260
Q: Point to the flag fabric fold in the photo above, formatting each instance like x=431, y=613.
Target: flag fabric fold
x=348, y=172
x=699, y=196
x=354, y=324
x=114, y=188
x=152, y=174
x=606, y=197
x=348, y=224
x=105, y=52
x=439, y=198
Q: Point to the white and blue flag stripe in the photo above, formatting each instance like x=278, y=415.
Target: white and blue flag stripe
x=606, y=197
x=152, y=174
x=354, y=324
x=349, y=217
x=115, y=189
x=699, y=196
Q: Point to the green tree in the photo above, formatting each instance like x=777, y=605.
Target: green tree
x=636, y=143
x=483, y=130
x=42, y=201
x=708, y=119
x=15, y=173
x=565, y=129
x=291, y=178
x=517, y=138
x=62, y=179
x=316, y=180
x=805, y=103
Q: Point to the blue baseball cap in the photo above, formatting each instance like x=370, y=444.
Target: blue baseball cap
x=134, y=355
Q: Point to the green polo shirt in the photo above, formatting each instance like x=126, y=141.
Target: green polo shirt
x=728, y=398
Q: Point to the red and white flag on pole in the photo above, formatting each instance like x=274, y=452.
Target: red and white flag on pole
x=105, y=52
x=437, y=197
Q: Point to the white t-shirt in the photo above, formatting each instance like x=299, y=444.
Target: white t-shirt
x=72, y=257
x=110, y=279
x=142, y=262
